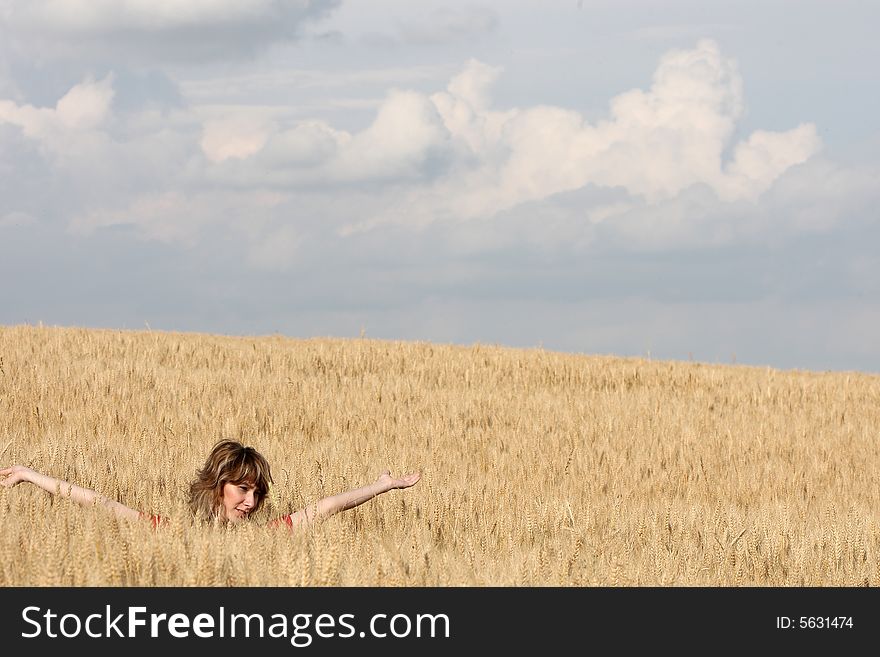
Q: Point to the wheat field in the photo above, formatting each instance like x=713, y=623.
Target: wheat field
x=538, y=468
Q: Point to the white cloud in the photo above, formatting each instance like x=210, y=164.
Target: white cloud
x=464, y=107
x=655, y=144
x=407, y=142
x=406, y=134
x=308, y=144
x=72, y=136
x=655, y=170
x=764, y=156
x=449, y=156
x=86, y=105
x=84, y=108
x=233, y=138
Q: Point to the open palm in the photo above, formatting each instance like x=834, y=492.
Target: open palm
x=14, y=475
x=398, y=482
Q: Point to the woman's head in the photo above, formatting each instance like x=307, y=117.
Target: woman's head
x=232, y=484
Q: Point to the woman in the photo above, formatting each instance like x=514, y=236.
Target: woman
x=230, y=487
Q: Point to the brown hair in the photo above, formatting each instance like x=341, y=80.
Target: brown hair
x=233, y=463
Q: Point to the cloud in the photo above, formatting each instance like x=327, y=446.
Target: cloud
x=764, y=156
x=84, y=107
x=150, y=30
x=449, y=156
x=663, y=169
x=655, y=144
x=405, y=140
x=71, y=137
x=308, y=144
x=233, y=138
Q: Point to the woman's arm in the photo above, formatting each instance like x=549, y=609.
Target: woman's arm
x=340, y=502
x=84, y=496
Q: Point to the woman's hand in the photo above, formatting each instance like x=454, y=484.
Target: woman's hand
x=389, y=482
x=15, y=475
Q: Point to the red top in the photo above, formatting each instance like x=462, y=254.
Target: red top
x=155, y=519
x=287, y=520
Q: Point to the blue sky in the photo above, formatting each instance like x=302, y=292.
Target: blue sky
x=685, y=180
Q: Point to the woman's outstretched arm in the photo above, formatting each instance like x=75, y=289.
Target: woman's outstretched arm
x=84, y=496
x=340, y=502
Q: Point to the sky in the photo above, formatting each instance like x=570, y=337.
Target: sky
x=676, y=180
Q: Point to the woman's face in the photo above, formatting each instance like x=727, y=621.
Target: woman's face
x=238, y=501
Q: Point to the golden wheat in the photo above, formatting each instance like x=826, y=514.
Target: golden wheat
x=539, y=468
